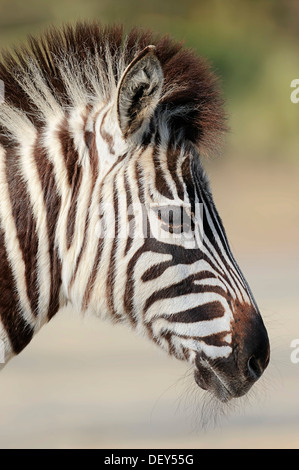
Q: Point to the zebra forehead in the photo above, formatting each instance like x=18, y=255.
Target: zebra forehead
x=82, y=65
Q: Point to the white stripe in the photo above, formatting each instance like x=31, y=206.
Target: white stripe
x=6, y=351
x=40, y=94
x=32, y=180
x=213, y=352
x=16, y=122
x=55, y=155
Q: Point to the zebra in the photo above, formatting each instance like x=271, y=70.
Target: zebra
x=105, y=205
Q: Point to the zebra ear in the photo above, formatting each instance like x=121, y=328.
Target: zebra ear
x=139, y=91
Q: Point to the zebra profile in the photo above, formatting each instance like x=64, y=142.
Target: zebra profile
x=105, y=205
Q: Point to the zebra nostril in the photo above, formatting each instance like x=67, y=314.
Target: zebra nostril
x=255, y=353
x=254, y=368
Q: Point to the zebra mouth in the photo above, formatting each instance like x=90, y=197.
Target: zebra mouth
x=222, y=377
x=208, y=379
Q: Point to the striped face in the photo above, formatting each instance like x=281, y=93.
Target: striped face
x=169, y=270
x=163, y=258
x=105, y=207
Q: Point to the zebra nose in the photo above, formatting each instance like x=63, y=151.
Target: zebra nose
x=255, y=353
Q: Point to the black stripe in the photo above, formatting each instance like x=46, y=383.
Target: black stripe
x=160, y=180
x=184, y=287
x=208, y=311
x=19, y=331
x=172, y=160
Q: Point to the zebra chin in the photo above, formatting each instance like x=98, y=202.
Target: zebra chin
x=210, y=377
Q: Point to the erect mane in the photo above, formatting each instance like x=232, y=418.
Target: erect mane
x=82, y=64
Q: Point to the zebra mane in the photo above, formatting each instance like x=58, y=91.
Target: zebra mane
x=81, y=65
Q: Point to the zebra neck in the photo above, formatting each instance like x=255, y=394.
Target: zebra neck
x=29, y=214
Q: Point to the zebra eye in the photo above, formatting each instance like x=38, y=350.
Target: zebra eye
x=174, y=219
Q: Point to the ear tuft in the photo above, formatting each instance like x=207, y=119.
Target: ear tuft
x=139, y=91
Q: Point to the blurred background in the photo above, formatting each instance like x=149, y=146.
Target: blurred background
x=87, y=384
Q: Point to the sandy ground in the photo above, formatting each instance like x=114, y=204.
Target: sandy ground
x=87, y=384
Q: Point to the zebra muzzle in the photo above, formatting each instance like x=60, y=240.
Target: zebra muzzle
x=233, y=376
x=208, y=377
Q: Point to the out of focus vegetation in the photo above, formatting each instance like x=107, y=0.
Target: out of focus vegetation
x=252, y=44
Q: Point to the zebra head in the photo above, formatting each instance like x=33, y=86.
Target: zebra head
x=105, y=205
x=171, y=271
